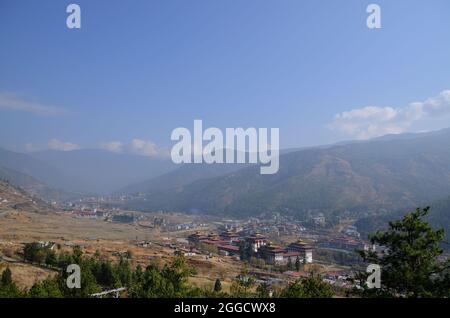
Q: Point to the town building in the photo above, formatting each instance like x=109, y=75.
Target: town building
x=304, y=251
x=344, y=243
x=272, y=254
x=197, y=238
x=256, y=241
x=229, y=236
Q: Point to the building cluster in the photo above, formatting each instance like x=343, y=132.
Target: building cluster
x=46, y=244
x=344, y=242
x=231, y=243
x=342, y=279
x=88, y=213
x=166, y=225
x=274, y=223
x=227, y=243
x=272, y=254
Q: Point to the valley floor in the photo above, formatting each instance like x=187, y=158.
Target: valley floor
x=108, y=238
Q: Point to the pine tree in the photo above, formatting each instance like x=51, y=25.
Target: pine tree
x=309, y=287
x=48, y=288
x=217, y=286
x=409, y=259
x=8, y=288
x=6, y=277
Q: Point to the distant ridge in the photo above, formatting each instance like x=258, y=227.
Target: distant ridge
x=20, y=165
x=354, y=179
x=34, y=186
x=100, y=172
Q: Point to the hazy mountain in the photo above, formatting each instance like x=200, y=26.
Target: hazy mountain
x=100, y=171
x=439, y=217
x=186, y=174
x=181, y=176
x=356, y=178
x=34, y=186
x=81, y=171
x=26, y=165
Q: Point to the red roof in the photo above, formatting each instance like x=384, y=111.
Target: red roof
x=229, y=248
x=213, y=242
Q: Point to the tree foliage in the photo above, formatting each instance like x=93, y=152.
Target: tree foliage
x=217, y=286
x=409, y=260
x=308, y=287
x=7, y=287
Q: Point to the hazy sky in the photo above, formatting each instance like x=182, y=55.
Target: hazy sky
x=138, y=69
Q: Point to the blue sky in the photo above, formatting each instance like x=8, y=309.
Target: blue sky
x=137, y=70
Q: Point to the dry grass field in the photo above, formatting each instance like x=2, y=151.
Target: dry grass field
x=108, y=238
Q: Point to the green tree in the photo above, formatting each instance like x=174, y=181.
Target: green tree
x=298, y=264
x=77, y=255
x=51, y=259
x=6, y=277
x=30, y=250
x=308, y=287
x=124, y=272
x=8, y=288
x=169, y=282
x=177, y=275
x=48, y=288
x=107, y=276
x=217, y=286
x=263, y=290
x=242, y=285
x=89, y=283
x=245, y=250
x=409, y=259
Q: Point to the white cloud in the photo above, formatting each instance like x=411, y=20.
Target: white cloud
x=144, y=147
x=373, y=121
x=113, y=146
x=136, y=146
x=53, y=144
x=56, y=144
x=13, y=102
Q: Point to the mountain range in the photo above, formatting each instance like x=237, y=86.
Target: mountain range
x=354, y=178
x=439, y=217
x=35, y=187
x=101, y=172
x=79, y=172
